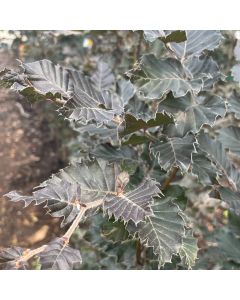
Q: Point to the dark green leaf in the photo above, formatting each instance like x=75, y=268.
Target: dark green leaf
x=103, y=78
x=193, y=112
x=197, y=41
x=174, y=152
x=132, y=124
x=59, y=256
x=165, y=75
x=163, y=231
x=113, y=154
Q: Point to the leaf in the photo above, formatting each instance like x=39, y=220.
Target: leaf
x=163, y=76
x=126, y=90
x=236, y=72
x=176, y=36
x=113, y=154
x=103, y=77
x=230, y=245
x=85, y=182
x=133, y=124
x=231, y=198
x=234, y=104
x=106, y=133
x=140, y=109
x=230, y=139
x=83, y=102
x=152, y=35
x=95, y=179
x=62, y=197
x=135, y=205
x=203, y=168
x=166, y=36
x=174, y=152
x=237, y=50
x=73, y=186
x=115, y=232
x=189, y=250
x=59, y=256
x=205, y=68
x=197, y=41
x=217, y=155
x=10, y=259
x=164, y=230
x=14, y=196
x=47, y=78
x=87, y=104
x=5, y=75
x=136, y=140
x=193, y=112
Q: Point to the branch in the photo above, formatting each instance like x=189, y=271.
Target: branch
x=66, y=237
x=29, y=254
x=75, y=223
x=169, y=178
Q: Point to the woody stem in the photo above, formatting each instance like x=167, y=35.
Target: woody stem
x=29, y=254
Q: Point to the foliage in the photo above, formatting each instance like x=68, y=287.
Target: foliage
x=155, y=136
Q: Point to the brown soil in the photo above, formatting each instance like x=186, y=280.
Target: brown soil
x=30, y=151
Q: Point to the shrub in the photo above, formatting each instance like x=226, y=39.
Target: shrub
x=150, y=141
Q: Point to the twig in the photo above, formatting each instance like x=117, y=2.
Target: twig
x=170, y=178
x=75, y=223
x=84, y=207
x=149, y=135
x=139, y=253
x=79, y=217
x=29, y=254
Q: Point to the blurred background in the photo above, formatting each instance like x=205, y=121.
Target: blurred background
x=34, y=143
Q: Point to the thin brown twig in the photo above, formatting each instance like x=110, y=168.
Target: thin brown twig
x=169, y=178
x=31, y=253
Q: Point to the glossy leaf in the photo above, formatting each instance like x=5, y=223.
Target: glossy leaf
x=113, y=154
x=217, y=154
x=165, y=75
x=203, y=168
x=126, y=90
x=82, y=183
x=133, y=124
x=62, y=197
x=174, y=152
x=134, y=205
x=196, y=42
x=163, y=231
x=166, y=36
x=194, y=112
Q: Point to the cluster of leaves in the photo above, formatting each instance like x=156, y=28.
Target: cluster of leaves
x=161, y=121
